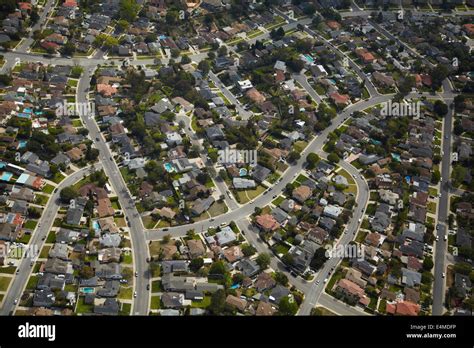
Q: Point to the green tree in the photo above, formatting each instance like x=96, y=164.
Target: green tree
x=440, y=108
x=67, y=193
x=312, y=159
x=428, y=264
x=263, y=260
x=248, y=250
x=217, y=304
x=287, y=306
x=204, y=66
x=129, y=10
x=281, y=278
x=333, y=157
x=196, y=264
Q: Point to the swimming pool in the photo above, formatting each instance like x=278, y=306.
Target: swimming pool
x=95, y=225
x=235, y=286
x=169, y=167
x=309, y=58
x=88, y=290
x=243, y=172
x=6, y=176
x=23, y=115
x=22, y=144
x=27, y=110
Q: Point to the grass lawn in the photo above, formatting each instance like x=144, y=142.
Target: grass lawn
x=149, y=222
x=155, y=247
x=256, y=192
x=72, y=83
x=125, y=293
x=301, y=178
x=25, y=239
x=273, y=178
x=127, y=175
x=433, y=191
x=44, y=252
x=30, y=224
x=351, y=189
x=77, y=123
x=116, y=205
x=206, y=301
x=374, y=196
x=51, y=237
x=336, y=276
x=41, y=199
x=322, y=311
x=58, y=177
x=4, y=282
x=126, y=309
x=8, y=270
x=163, y=223
x=300, y=145
x=432, y=207
x=82, y=307
x=120, y=222
x=217, y=209
x=155, y=302
x=127, y=259
x=281, y=249
x=345, y=174
x=156, y=286
x=48, y=188
x=278, y=200
x=32, y=282
x=361, y=236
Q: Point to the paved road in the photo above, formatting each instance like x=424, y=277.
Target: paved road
x=44, y=226
x=230, y=96
x=350, y=231
x=443, y=211
x=368, y=84
x=239, y=214
x=26, y=43
x=303, y=81
x=139, y=245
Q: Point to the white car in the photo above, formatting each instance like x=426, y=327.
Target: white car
x=317, y=282
x=445, y=237
x=325, y=280
x=437, y=238
x=134, y=294
x=16, y=301
x=443, y=275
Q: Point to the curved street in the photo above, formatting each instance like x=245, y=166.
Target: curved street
x=239, y=213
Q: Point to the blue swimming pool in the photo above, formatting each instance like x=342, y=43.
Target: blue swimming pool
x=88, y=290
x=235, y=286
x=27, y=110
x=95, y=225
x=6, y=176
x=22, y=144
x=309, y=58
x=23, y=115
x=169, y=167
